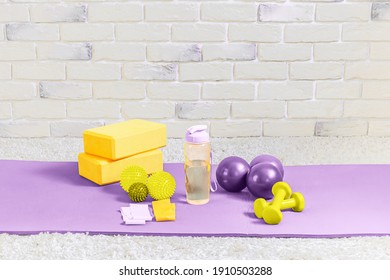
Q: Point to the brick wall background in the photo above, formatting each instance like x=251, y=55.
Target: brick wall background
x=245, y=68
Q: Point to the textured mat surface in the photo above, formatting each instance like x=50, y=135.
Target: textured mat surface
x=341, y=200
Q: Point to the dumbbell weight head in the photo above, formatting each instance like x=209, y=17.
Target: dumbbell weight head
x=299, y=202
x=259, y=206
x=281, y=186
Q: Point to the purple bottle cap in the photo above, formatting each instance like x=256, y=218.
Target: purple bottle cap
x=197, y=134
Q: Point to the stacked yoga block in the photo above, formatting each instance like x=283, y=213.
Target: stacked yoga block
x=110, y=149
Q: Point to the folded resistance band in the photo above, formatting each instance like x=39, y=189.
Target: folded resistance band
x=341, y=200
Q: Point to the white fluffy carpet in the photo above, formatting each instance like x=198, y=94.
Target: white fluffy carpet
x=292, y=151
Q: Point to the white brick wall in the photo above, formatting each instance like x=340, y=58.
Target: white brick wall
x=228, y=12
x=286, y=13
x=61, y=51
x=119, y=51
x=58, y=13
x=17, y=51
x=244, y=68
x=150, y=110
x=285, y=52
x=5, y=110
x=38, y=70
x=173, y=91
x=174, y=52
x=65, y=90
x=171, y=12
x=115, y=12
x=258, y=109
x=198, y=32
x=119, y=90
x=39, y=109
x=17, y=91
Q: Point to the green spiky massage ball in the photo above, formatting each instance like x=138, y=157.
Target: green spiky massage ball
x=132, y=174
x=161, y=185
x=138, y=192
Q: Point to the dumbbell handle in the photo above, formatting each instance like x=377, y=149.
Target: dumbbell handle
x=278, y=199
x=286, y=204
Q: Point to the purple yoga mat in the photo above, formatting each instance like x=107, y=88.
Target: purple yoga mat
x=341, y=200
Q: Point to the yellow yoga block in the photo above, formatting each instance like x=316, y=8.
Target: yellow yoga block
x=124, y=139
x=104, y=171
x=164, y=210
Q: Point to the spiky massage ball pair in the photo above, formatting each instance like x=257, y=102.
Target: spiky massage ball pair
x=135, y=181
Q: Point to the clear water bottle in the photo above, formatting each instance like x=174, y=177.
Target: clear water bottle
x=197, y=164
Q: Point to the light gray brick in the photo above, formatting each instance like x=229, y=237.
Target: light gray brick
x=366, y=31
x=17, y=90
x=17, y=51
x=141, y=32
x=64, y=51
x=285, y=13
x=65, y=90
x=306, y=33
x=148, y=110
x=119, y=51
x=38, y=70
x=259, y=109
x=174, y=52
x=380, y=11
x=5, y=110
x=2, y=32
x=119, y=90
x=379, y=128
x=367, y=70
x=93, y=109
x=380, y=51
x=228, y=12
x=206, y=71
x=147, y=72
x=58, y=13
x=284, y=52
x=338, y=90
x=341, y=51
x=39, y=109
x=316, y=71
x=32, y=32
x=13, y=13
x=292, y=90
x=25, y=129
x=72, y=128
x=206, y=32
x=236, y=128
x=171, y=12
x=93, y=71
x=176, y=128
x=283, y=128
x=341, y=128
x=173, y=91
x=240, y=52
x=264, y=33
x=314, y=109
x=5, y=71
x=367, y=109
x=261, y=71
x=87, y=32
x=343, y=12
x=376, y=89
x=114, y=12
x=228, y=91
x=203, y=110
